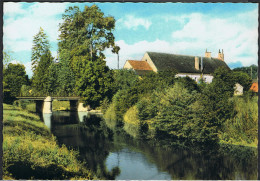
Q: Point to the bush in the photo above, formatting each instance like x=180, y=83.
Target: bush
x=242, y=126
x=110, y=113
x=148, y=107
x=123, y=100
x=132, y=124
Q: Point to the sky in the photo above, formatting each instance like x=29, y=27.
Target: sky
x=177, y=28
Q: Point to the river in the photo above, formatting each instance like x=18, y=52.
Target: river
x=113, y=154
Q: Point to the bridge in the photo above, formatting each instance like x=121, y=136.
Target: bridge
x=44, y=104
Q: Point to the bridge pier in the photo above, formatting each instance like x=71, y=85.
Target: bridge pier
x=74, y=105
x=47, y=105
x=81, y=108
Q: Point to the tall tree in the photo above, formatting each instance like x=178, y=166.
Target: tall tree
x=87, y=32
x=40, y=78
x=83, y=38
x=66, y=77
x=40, y=46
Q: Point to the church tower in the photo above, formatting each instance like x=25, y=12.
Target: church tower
x=221, y=55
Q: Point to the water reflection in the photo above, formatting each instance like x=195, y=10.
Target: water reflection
x=47, y=119
x=82, y=115
x=113, y=154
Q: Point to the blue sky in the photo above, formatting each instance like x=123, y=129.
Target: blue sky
x=176, y=28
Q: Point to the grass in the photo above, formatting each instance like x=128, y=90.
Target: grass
x=60, y=105
x=30, y=151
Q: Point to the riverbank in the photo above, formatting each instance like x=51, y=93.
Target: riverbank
x=30, y=151
x=239, y=130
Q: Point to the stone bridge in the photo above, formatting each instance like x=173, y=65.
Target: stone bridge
x=44, y=104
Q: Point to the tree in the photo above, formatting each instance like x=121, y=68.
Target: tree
x=252, y=70
x=40, y=46
x=83, y=38
x=66, y=77
x=40, y=78
x=215, y=99
x=87, y=32
x=188, y=83
x=124, y=79
x=14, y=76
x=95, y=83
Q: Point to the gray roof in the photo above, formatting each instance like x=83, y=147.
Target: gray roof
x=184, y=63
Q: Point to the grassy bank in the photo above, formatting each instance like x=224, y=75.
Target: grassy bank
x=30, y=151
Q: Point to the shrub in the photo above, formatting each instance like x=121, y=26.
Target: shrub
x=148, y=107
x=110, y=113
x=132, y=124
x=242, y=126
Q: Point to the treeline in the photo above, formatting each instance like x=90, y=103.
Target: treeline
x=252, y=71
x=177, y=107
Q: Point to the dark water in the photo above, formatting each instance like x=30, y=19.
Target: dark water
x=112, y=153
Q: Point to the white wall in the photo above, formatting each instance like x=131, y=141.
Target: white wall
x=207, y=78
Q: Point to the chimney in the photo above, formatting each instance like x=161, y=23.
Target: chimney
x=197, y=63
x=207, y=54
x=220, y=55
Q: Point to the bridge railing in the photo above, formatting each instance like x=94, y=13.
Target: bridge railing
x=44, y=97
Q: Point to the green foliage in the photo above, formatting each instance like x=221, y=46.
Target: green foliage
x=241, y=128
x=25, y=90
x=243, y=79
x=41, y=75
x=89, y=28
x=215, y=98
x=66, y=77
x=40, y=47
x=31, y=152
x=83, y=38
x=247, y=70
x=52, y=84
x=156, y=81
x=14, y=76
x=110, y=115
x=223, y=82
x=95, y=82
x=174, y=111
x=124, y=79
x=188, y=83
x=148, y=106
x=124, y=99
x=60, y=105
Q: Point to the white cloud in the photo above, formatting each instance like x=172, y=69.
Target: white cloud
x=13, y=8
x=200, y=32
x=132, y=22
x=19, y=31
x=230, y=34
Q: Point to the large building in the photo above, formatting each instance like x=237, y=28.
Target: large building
x=185, y=65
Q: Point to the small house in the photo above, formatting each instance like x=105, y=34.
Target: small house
x=238, y=89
